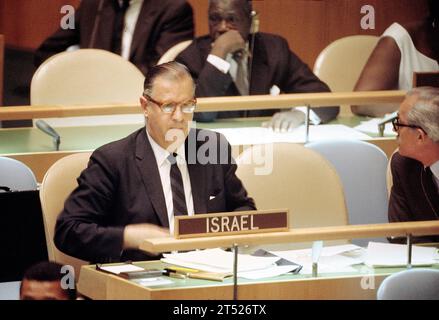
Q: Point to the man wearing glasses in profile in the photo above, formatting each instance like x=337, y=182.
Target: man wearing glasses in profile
x=132, y=188
x=415, y=167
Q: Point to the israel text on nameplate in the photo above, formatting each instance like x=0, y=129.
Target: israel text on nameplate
x=242, y=222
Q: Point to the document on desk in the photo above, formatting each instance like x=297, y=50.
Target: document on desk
x=395, y=255
x=259, y=135
x=333, y=259
x=371, y=126
x=117, y=269
x=218, y=260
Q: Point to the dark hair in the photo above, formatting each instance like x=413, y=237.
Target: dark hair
x=248, y=6
x=171, y=70
x=48, y=271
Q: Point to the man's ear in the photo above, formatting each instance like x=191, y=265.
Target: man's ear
x=422, y=136
x=144, y=104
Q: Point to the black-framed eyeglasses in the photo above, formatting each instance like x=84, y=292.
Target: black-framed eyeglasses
x=169, y=107
x=397, y=124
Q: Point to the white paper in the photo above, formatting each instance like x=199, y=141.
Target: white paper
x=272, y=271
x=332, y=259
x=121, y=268
x=152, y=282
x=371, y=126
x=219, y=259
x=259, y=135
x=395, y=255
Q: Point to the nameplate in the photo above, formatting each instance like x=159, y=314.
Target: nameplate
x=242, y=222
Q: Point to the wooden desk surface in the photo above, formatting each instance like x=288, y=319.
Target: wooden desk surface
x=361, y=285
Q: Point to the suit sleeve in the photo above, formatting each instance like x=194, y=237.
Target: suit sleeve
x=59, y=41
x=301, y=79
x=82, y=229
x=178, y=26
x=398, y=206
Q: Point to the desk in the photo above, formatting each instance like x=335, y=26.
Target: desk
x=362, y=285
x=35, y=148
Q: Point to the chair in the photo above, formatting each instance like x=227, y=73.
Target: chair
x=87, y=77
x=16, y=176
x=58, y=183
x=340, y=64
x=174, y=51
x=362, y=169
x=300, y=180
x=411, y=284
x=389, y=177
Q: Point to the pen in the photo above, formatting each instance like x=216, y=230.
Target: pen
x=181, y=270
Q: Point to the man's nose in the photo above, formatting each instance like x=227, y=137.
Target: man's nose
x=223, y=26
x=178, y=115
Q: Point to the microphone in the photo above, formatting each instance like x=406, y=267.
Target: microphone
x=47, y=129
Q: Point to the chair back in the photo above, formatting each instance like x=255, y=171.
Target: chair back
x=16, y=176
x=58, y=183
x=87, y=77
x=340, y=64
x=411, y=284
x=362, y=169
x=174, y=51
x=300, y=180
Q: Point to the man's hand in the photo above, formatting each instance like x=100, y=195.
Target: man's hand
x=134, y=234
x=285, y=121
x=229, y=42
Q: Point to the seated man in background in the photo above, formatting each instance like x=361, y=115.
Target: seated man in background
x=415, y=167
x=132, y=188
x=231, y=62
x=141, y=31
x=400, y=52
x=43, y=281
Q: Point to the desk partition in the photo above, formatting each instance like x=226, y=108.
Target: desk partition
x=36, y=150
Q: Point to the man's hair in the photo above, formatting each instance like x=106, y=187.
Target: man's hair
x=48, y=271
x=247, y=5
x=425, y=112
x=169, y=70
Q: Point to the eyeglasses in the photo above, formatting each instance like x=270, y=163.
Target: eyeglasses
x=169, y=107
x=396, y=125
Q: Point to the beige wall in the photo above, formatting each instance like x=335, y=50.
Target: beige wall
x=308, y=25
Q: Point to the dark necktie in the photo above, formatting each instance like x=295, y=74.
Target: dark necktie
x=241, y=80
x=119, y=25
x=178, y=198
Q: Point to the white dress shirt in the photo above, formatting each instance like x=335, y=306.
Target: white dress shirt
x=231, y=66
x=161, y=156
x=130, y=20
x=435, y=171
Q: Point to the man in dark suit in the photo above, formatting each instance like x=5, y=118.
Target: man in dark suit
x=230, y=61
x=132, y=188
x=139, y=30
x=415, y=168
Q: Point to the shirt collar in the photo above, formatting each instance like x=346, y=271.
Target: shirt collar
x=435, y=169
x=161, y=154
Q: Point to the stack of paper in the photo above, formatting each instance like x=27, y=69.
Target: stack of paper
x=258, y=135
x=332, y=259
x=218, y=260
x=395, y=255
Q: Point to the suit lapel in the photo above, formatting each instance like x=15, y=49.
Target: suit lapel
x=147, y=165
x=260, y=69
x=104, y=32
x=197, y=173
x=430, y=189
x=143, y=26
